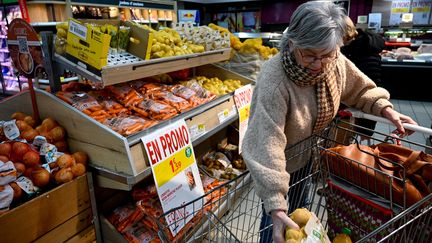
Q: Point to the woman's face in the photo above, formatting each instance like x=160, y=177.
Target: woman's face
x=314, y=60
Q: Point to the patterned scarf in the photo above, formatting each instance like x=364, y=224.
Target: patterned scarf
x=325, y=81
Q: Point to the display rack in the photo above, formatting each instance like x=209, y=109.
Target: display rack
x=120, y=69
x=120, y=162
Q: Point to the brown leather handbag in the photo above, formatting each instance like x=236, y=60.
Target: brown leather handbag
x=369, y=168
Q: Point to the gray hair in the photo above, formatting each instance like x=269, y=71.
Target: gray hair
x=316, y=25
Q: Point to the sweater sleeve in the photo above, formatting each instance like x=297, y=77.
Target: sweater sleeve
x=362, y=93
x=264, y=144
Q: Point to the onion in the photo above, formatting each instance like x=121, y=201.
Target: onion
x=64, y=175
x=23, y=126
x=18, y=151
x=28, y=171
x=29, y=135
x=30, y=121
x=5, y=149
x=17, y=191
x=18, y=116
x=56, y=134
x=31, y=158
x=20, y=168
x=78, y=169
x=48, y=124
x=40, y=177
x=4, y=158
x=65, y=161
x=80, y=158
x=61, y=146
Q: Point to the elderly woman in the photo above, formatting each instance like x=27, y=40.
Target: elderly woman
x=298, y=93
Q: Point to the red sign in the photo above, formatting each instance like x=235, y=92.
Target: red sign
x=24, y=48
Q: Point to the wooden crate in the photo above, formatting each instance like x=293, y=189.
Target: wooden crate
x=107, y=149
x=55, y=216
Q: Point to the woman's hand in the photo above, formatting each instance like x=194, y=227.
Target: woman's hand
x=280, y=222
x=397, y=119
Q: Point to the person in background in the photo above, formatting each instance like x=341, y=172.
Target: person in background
x=297, y=94
x=363, y=48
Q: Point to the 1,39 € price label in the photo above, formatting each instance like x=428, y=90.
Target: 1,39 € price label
x=171, y=166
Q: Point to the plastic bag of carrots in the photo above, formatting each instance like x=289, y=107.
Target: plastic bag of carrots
x=187, y=94
x=138, y=233
x=125, y=94
x=108, y=103
x=155, y=109
x=85, y=103
x=129, y=125
x=199, y=90
x=167, y=97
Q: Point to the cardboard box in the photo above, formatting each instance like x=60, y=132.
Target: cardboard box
x=87, y=44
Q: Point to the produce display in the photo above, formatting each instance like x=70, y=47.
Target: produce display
x=249, y=46
x=34, y=158
x=210, y=39
x=166, y=42
x=134, y=106
x=225, y=163
x=137, y=220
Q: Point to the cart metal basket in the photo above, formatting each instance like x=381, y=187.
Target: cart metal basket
x=235, y=215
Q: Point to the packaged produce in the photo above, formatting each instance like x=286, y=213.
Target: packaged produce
x=167, y=97
x=311, y=230
x=109, y=104
x=138, y=233
x=125, y=94
x=187, y=94
x=199, y=90
x=84, y=103
x=155, y=109
x=123, y=38
x=129, y=125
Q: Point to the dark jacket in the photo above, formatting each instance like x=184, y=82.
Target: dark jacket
x=364, y=52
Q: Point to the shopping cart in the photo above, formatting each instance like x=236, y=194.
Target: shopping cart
x=235, y=214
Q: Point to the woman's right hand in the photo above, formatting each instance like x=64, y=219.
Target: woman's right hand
x=280, y=222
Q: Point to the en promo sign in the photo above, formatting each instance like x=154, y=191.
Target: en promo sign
x=242, y=99
x=175, y=172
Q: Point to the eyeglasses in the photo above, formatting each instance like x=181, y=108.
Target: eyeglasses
x=324, y=59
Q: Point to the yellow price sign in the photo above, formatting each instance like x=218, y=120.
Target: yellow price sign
x=171, y=166
x=244, y=113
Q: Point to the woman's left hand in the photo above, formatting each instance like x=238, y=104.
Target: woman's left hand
x=397, y=119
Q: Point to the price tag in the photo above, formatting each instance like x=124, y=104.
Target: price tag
x=197, y=131
x=226, y=114
x=175, y=172
x=11, y=130
x=78, y=29
x=27, y=185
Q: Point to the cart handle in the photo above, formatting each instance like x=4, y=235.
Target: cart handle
x=360, y=114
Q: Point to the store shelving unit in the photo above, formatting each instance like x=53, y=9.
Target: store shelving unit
x=122, y=69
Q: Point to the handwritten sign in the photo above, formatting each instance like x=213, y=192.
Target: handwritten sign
x=242, y=99
x=175, y=172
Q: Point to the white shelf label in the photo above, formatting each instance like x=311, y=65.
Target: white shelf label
x=227, y=114
x=78, y=29
x=197, y=131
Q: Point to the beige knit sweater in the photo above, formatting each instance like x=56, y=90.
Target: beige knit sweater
x=283, y=114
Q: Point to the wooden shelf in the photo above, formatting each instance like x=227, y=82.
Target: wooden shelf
x=120, y=73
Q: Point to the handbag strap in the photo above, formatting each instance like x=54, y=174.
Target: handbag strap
x=412, y=164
